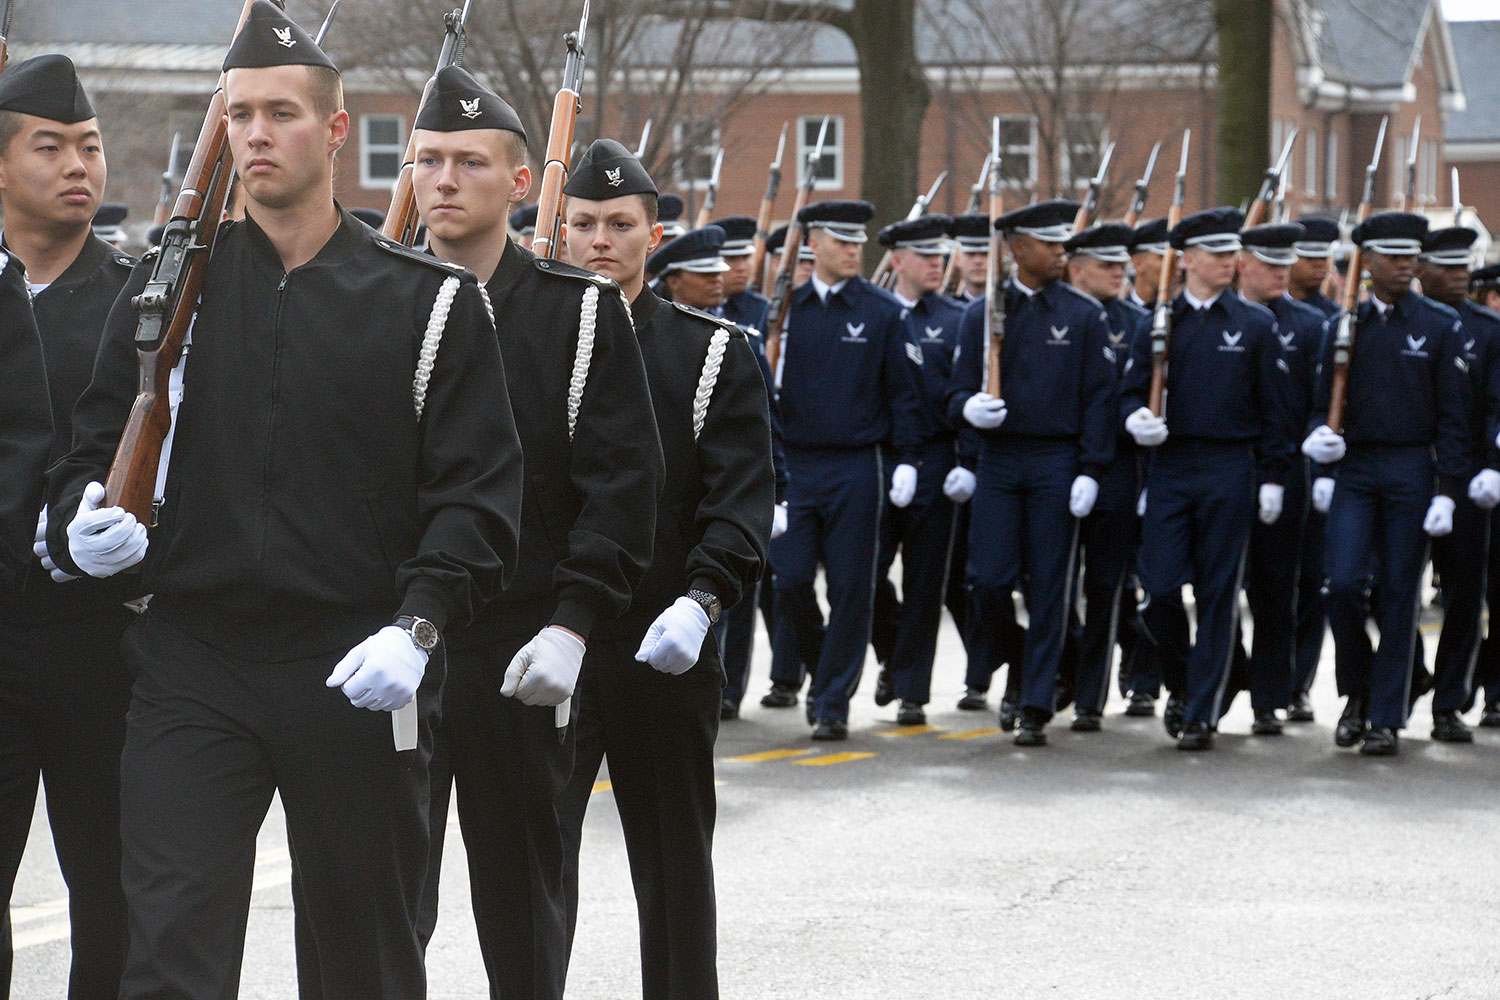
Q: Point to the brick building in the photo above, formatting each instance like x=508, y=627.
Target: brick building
x=1472, y=141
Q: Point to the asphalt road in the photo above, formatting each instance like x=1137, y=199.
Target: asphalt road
x=949, y=863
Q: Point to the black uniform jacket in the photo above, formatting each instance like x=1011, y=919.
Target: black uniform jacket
x=25, y=427
x=305, y=503
x=589, y=511
x=713, y=525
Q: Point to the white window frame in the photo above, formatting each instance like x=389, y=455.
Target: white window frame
x=834, y=149
x=679, y=143
x=1033, y=141
x=1310, y=164
x=1331, y=169
x=1082, y=183
x=367, y=148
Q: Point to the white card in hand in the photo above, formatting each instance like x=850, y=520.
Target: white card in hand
x=404, y=726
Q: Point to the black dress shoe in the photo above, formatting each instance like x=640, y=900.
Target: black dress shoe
x=1380, y=741
x=1033, y=731
x=885, y=688
x=1352, y=723
x=829, y=730
x=1301, y=708
x=1490, y=717
x=1086, y=721
x=1449, y=727
x=1009, y=713
x=728, y=710
x=974, y=700
x=910, y=714
x=1267, y=722
x=1142, y=705
x=1196, y=736
x=780, y=696
x=1173, y=716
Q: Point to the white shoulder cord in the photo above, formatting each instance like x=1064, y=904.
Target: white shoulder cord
x=489, y=309
x=588, y=316
x=427, y=357
x=710, y=378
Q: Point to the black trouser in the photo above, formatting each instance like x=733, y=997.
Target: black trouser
x=209, y=739
x=737, y=630
x=657, y=731
x=63, y=696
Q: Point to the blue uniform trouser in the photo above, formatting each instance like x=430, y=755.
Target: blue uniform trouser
x=1376, y=519
x=1271, y=581
x=833, y=518
x=1023, y=535
x=1461, y=559
x=1200, y=502
x=1312, y=600
x=1108, y=542
x=1487, y=670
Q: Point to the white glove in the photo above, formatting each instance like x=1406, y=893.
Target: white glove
x=1272, y=497
x=1324, y=446
x=778, y=521
x=39, y=549
x=984, y=411
x=1140, y=504
x=383, y=672
x=1484, y=489
x=1439, y=519
x=103, y=542
x=1081, y=500
x=959, y=484
x=545, y=670
x=675, y=640
x=903, y=484
x=1322, y=494
x=1148, y=430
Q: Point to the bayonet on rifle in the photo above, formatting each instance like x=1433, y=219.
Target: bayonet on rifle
x=1161, y=318
x=1260, y=210
x=10, y=12
x=994, y=275
x=1142, y=187
x=1458, y=204
x=640, y=150
x=707, y=210
x=763, y=220
x=1343, y=339
x=327, y=23
x=1408, y=200
x=1091, y=201
x=781, y=295
x=884, y=275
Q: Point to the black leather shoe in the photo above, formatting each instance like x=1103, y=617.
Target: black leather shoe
x=1301, y=708
x=1352, y=723
x=1267, y=722
x=1142, y=705
x=1009, y=713
x=974, y=700
x=728, y=710
x=910, y=714
x=829, y=730
x=1490, y=717
x=1196, y=736
x=1173, y=716
x=1449, y=727
x=885, y=688
x=1380, y=741
x=780, y=696
x=1086, y=721
x=1033, y=731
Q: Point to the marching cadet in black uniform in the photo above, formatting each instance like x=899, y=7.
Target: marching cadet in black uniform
x=1271, y=575
x=1484, y=292
x=66, y=687
x=920, y=521
x=1389, y=459
x=593, y=473
x=648, y=700
x=1461, y=558
x=1108, y=535
x=971, y=239
x=848, y=397
x=1039, y=471
x=1148, y=248
x=1226, y=400
x=742, y=304
x=295, y=522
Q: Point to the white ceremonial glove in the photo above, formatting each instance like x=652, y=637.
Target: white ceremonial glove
x=104, y=542
x=383, y=672
x=959, y=484
x=1322, y=494
x=1083, y=495
x=1148, y=430
x=1324, y=446
x=984, y=411
x=778, y=521
x=1272, y=497
x=545, y=670
x=1484, y=489
x=1439, y=519
x=1140, y=504
x=675, y=640
x=903, y=484
x=39, y=549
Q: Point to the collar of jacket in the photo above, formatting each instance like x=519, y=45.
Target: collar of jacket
x=347, y=238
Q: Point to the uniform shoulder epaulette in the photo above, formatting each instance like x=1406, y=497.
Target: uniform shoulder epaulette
x=1085, y=296
x=1258, y=310
x=885, y=295
x=563, y=270
x=733, y=328
x=1486, y=312
x=421, y=257
x=1306, y=310
x=1134, y=309
x=1447, y=312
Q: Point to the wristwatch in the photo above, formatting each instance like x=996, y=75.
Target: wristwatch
x=710, y=603
x=424, y=634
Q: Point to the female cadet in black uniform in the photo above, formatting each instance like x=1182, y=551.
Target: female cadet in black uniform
x=648, y=699
x=324, y=485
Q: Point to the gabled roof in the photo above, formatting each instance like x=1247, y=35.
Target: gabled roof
x=1366, y=52
x=1478, y=46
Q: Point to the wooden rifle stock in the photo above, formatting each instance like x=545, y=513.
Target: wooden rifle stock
x=1161, y=319
x=994, y=275
x=1343, y=339
x=781, y=296
x=763, y=219
x=565, y=108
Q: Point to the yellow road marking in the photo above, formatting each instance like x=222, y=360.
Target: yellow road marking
x=911, y=730
x=602, y=786
x=968, y=734
x=834, y=758
x=765, y=755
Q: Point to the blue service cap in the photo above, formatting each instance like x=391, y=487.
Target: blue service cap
x=1049, y=221
x=1274, y=244
x=925, y=235
x=697, y=250
x=844, y=220
x=523, y=219
x=971, y=232
x=1451, y=247
x=1319, y=235
x=1150, y=237
x=1399, y=234
x=1216, y=230
x=1107, y=242
x=739, y=235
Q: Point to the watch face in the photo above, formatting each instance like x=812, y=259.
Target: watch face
x=424, y=633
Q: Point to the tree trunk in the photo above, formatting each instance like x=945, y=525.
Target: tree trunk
x=1244, y=134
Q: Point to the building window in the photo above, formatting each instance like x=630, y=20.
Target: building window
x=382, y=147
x=1310, y=173
x=1331, y=173
x=1083, y=145
x=1018, y=150
x=829, y=170
x=696, y=141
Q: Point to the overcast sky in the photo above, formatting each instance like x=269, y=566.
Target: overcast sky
x=1470, y=10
